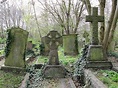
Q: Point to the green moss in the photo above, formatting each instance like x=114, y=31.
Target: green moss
x=10, y=80
x=62, y=58
x=96, y=54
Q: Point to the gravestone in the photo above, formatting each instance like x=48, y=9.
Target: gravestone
x=16, y=47
x=70, y=44
x=96, y=55
x=53, y=69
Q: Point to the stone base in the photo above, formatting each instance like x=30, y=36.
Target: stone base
x=54, y=71
x=95, y=53
x=99, y=64
x=13, y=69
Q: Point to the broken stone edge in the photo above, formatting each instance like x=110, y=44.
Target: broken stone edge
x=24, y=82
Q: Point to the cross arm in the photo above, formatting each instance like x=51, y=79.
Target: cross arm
x=89, y=18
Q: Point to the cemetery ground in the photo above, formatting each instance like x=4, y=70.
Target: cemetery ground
x=14, y=80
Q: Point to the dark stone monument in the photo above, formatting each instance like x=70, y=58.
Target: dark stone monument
x=29, y=45
x=44, y=49
x=96, y=55
x=16, y=47
x=53, y=69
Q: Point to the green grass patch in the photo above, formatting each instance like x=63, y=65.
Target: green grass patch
x=2, y=52
x=10, y=80
x=108, y=77
x=65, y=60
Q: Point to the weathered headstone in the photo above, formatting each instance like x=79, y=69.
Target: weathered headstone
x=70, y=44
x=53, y=69
x=95, y=52
x=16, y=47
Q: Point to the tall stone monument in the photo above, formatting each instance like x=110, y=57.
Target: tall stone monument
x=96, y=55
x=53, y=69
x=16, y=47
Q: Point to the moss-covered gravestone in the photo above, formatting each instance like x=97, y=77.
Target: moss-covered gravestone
x=70, y=44
x=96, y=55
x=16, y=47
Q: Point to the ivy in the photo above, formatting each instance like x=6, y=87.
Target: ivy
x=81, y=63
x=9, y=40
x=35, y=77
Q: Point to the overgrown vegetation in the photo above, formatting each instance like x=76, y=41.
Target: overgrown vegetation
x=10, y=80
x=2, y=40
x=113, y=54
x=108, y=77
x=1, y=52
x=65, y=60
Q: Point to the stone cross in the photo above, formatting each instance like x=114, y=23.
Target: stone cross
x=94, y=19
x=53, y=40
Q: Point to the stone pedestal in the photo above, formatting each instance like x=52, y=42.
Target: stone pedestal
x=54, y=71
x=96, y=57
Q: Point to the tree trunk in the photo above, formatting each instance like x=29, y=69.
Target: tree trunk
x=102, y=28
x=111, y=34
x=107, y=30
x=88, y=6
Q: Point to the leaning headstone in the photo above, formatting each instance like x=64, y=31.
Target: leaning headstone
x=53, y=69
x=16, y=47
x=96, y=55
